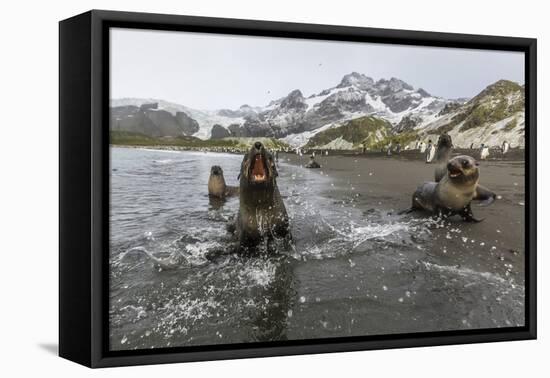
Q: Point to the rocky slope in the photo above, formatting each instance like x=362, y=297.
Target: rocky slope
x=496, y=114
x=148, y=119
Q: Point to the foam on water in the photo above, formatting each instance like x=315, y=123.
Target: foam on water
x=163, y=161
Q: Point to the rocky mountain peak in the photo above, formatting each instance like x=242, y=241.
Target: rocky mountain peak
x=356, y=79
x=393, y=85
x=422, y=92
x=294, y=100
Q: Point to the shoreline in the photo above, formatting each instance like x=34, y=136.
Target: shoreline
x=515, y=154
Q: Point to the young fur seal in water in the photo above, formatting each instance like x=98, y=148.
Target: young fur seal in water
x=312, y=163
x=216, y=184
x=262, y=214
x=455, y=191
x=442, y=155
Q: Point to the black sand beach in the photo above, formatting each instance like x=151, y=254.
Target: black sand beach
x=457, y=276
x=387, y=183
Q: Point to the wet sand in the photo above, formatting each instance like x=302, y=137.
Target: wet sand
x=377, y=182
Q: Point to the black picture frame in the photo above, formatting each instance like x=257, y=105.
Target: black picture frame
x=84, y=186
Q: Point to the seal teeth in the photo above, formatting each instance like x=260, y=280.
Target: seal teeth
x=258, y=168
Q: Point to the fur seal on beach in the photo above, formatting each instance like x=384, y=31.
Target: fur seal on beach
x=262, y=213
x=453, y=194
x=312, y=163
x=216, y=184
x=442, y=155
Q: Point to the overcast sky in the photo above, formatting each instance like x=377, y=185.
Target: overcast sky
x=208, y=71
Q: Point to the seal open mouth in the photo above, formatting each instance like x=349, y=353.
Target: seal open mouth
x=258, y=169
x=454, y=172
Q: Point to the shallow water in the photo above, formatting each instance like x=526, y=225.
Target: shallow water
x=176, y=281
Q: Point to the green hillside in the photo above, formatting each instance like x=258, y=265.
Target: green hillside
x=495, y=103
x=126, y=138
x=364, y=130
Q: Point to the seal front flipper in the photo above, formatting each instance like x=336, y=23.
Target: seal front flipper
x=407, y=211
x=484, y=195
x=468, y=215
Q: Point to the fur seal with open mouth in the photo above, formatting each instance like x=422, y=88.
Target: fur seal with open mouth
x=442, y=155
x=262, y=213
x=216, y=184
x=453, y=194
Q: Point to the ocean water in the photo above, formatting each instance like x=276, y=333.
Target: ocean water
x=176, y=279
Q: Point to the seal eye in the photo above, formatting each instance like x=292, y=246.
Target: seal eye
x=465, y=163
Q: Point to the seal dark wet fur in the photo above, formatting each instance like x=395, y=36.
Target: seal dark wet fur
x=453, y=194
x=312, y=163
x=262, y=214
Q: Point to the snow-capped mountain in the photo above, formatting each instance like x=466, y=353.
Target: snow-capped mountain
x=356, y=95
x=296, y=118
